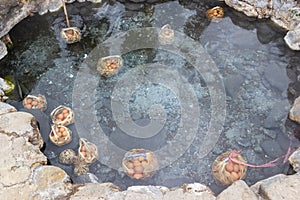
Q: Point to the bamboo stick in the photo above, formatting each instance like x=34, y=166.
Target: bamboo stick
x=66, y=14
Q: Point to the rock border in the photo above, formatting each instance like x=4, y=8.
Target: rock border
x=25, y=174
x=285, y=14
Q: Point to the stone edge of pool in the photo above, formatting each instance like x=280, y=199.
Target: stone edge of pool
x=25, y=174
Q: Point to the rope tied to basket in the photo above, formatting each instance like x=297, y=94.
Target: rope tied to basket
x=272, y=163
x=136, y=155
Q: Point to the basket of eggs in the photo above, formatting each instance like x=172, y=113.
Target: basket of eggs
x=60, y=135
x=139, y=163
x=166, y=35
x=110, y=65
x=37, y=101
x=225, y=171
x=62, y=115
x=215, y=14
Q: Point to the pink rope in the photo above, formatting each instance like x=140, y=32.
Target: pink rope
x=272, y=163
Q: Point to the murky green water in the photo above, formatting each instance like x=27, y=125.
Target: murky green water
x=259, y=72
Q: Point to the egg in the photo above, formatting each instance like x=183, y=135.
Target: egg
x=34, y=103
x=59, y=134
x=236, y=168
x=136, y=163
x=64, y=133
x=83, y=148
x=141, y=158
x=137, y=176
x=65, y=115
x=229, y=167
x=60, y=116
x=65, y=111
x=130, y=172
x=130, y=165
x=235, y=176
x=61, y=129
x=139, y=169
x=28, y=101
x=40, y=106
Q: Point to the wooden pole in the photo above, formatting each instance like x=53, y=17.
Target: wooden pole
x=66, y=14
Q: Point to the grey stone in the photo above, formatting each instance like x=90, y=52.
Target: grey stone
x=292, y=39
x=144, y=192
x=237, y=191
x=3, y=50
x=278, y=187
x=294, y=160
x=96, y=191
x=21, y=124
x=243, y=6
x=295, y=111
x=3, y=85
x=50, y=183
x=194, y=191
x=6, y=108
x=18, y=158
x=280, y=12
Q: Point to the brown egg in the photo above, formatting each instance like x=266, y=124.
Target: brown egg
x=137, y=176
x=61, y=140
x=34, y=102
x=60, y=116
x=144, y=163
x=65, y=115
x=40, y=106
x=139, y=169
x=235, y=176
x=136, y=163
x=229, y=167
x=83, y=148
x=130, y=165
x=130, y=172
x=141, y=158
x=64, y=133
x=236, y=168
x=28, y=106
x=65, y=111
x=59, y=134
x=28, y=101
